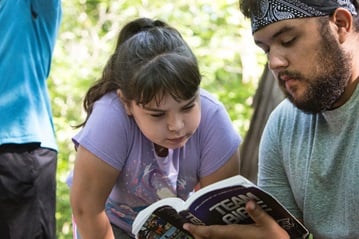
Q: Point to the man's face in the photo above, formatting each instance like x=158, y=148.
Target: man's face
x=308, y=62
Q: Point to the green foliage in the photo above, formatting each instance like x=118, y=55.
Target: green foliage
x=216, y=31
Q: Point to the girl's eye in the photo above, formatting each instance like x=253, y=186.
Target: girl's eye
x=157, y=115
x=188, y=107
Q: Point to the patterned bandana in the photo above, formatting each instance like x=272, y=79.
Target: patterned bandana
x=270, y=11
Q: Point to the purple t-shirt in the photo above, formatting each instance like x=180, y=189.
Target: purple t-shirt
x=114, y=137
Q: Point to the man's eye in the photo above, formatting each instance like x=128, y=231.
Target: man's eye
x=265, y=50
x=289, y=42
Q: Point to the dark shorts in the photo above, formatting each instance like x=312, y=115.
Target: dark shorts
x=118, y=233
x=27, y=193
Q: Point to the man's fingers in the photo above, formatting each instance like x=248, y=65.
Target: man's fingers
x=264, y=221
x=214, y=231
x=195, y=230
x=264, y=227
x=259, y=216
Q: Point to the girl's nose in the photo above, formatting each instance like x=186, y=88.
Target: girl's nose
x=175, y=122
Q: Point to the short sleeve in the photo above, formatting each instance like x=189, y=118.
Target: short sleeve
x=218, y=137
x=106, y=133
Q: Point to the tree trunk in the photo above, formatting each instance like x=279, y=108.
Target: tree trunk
x=266, y=98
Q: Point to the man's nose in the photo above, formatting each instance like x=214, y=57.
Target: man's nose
x=277, y=60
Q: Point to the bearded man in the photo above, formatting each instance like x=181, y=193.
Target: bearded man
x=309, y=154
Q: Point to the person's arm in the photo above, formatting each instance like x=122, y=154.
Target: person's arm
x=264, y=227
x=92, y=183
x=48, y=7
x=277, y=163
x=47, y=16
x=230, y=168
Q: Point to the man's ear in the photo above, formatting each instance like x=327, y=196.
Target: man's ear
x=343, y=20
x=126, y=103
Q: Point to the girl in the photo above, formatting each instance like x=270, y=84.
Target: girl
x=150, y=132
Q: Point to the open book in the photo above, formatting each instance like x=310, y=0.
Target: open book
x=218, y=204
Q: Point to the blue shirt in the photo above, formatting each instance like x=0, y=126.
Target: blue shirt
x=28, y=30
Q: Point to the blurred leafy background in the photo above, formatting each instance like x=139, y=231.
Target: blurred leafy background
x=215, y=29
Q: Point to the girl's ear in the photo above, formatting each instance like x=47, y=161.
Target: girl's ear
x=343, y=20
x=126, y=103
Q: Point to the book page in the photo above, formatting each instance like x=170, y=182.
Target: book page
x=176, y=203
x=164, y=223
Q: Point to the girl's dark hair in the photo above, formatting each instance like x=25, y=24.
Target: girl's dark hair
x=151, y=59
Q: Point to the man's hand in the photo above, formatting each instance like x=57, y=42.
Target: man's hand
x=264, y=227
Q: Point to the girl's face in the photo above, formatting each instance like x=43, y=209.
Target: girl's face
x=168, y=124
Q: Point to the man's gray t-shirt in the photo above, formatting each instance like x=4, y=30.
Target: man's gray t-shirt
x=310, y=162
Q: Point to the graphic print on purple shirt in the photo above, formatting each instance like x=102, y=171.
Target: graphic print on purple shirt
x=117, y=140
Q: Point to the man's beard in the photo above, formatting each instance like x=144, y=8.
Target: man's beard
x=333, y=72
